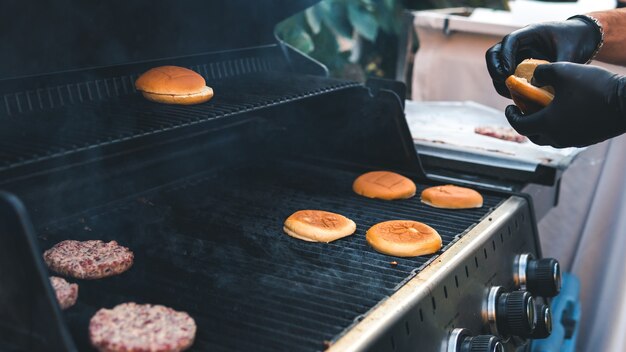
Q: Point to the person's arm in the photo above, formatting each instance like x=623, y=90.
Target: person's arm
x=614, y=25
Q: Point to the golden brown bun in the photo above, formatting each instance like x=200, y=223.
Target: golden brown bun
x=173, y=85
x=181, y=99
x=318, y=226
x=170, y=80
x=384, y=185
x=527, y=97
x=452, y=197
x=403, y=238
x=526, y=68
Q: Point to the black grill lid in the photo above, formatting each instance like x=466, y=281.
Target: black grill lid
x=47, y=36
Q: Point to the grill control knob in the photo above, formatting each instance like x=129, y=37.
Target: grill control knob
x=544, y=322
x=510, y=313
x=461, y=340
x=541, y=277
x=482, y=343
x=515, y=313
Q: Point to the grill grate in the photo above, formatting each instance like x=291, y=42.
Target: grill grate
x=43, y=99
x=56, y=132
x=213, y=245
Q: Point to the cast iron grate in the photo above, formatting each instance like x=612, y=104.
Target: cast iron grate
x=213, y=245
x=56, y=132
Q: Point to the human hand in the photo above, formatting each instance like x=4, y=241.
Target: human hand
x=574, y=40
x=589, y=106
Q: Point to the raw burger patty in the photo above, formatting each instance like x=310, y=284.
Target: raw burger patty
x=66, y=293
x=141, y=327
x=88, y=259
x=504, y=133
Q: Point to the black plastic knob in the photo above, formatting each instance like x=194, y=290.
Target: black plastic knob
x=482, y=343
x=461, y=340
x=543, y=277
x=543, y=328
x=515, y=314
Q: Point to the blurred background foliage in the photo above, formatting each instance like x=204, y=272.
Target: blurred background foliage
x=357, y=39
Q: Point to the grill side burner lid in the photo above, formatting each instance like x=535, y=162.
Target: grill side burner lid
x=50, y=36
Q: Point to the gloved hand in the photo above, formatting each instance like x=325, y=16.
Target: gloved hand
x=589, y=106
x=574, y=40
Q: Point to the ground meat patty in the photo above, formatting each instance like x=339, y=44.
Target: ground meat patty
x=504, y=133
x=66, y=293
x=88, y=259
x=141, y=327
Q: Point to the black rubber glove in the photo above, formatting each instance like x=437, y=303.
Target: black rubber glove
x=574, y=40
x=589, y=106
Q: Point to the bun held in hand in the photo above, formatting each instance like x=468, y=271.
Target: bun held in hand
x=526, y=96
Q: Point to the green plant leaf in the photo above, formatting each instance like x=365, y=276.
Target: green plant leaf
x=313, y=19
x=285, y=27
x=384, y=17
x=388, y=16
x=327, y=48
x=334, y=15
x=300, y=39
x=364, y=22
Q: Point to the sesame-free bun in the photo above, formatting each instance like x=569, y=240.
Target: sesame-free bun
x=384, y=185
x=318, y=226
x=452, y=197
x=181, y=99
x=527, y=97
x=173, y=85
x=403, y=238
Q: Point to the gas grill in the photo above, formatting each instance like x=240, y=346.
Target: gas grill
x=200, y=193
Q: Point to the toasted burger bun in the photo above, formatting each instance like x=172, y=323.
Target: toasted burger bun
x=181, y=99
x=384, y=185
x=403, y=238
x=173, y=85
x=527, y=97
x=452, y=197
x=526, y=68
x=318, y=226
